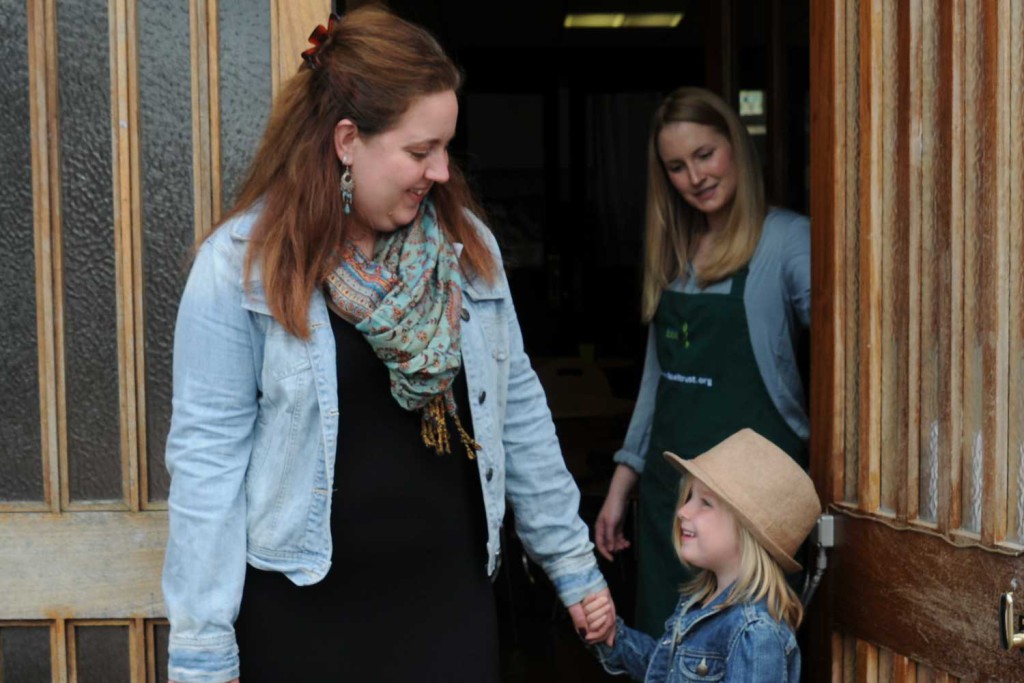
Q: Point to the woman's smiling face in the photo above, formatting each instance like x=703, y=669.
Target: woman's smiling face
x=698, y=161
x=393, y=171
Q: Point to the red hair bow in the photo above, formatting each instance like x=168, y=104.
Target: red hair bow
x=318, y=38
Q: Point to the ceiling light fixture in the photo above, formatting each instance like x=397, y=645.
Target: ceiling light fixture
x=623, y=20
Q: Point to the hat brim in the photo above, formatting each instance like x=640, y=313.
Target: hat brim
x=785, y=560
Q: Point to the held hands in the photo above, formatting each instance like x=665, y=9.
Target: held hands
x=600, y=612
x=594, y=618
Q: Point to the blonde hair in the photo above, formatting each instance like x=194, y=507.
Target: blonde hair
x=672, y=223
x=760, y=576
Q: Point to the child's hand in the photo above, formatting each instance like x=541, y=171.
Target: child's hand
x=600, y=613
x=605, y=631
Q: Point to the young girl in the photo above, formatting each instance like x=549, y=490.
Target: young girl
x=743, y=512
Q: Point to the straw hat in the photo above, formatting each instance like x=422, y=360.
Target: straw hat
x=771, y=495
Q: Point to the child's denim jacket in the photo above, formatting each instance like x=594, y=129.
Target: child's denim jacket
x=740, y=643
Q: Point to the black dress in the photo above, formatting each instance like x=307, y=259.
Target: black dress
x=407, y=597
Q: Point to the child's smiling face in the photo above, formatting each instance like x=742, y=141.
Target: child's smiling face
x=708, y=534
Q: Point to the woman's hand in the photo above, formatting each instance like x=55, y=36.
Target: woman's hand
x=600, y=612
x=602, y=627
x=608, y=530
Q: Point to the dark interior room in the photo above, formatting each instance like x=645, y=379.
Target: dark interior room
x=552, y=135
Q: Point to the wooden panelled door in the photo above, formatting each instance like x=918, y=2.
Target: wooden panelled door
x=917, y=195
x=126, y=127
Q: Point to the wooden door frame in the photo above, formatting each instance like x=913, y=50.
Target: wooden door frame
x=826, y=413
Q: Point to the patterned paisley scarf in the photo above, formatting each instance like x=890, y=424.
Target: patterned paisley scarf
x=406, y=302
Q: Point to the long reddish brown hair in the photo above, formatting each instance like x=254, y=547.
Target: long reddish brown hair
x=373, y=65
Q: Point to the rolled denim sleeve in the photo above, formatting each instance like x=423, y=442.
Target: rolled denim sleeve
x=208, y=448
x=542, y=493
x=758, y=656
x=638, y=437
x=631, y=653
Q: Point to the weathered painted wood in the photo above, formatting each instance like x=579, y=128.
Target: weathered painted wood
x=95, y=565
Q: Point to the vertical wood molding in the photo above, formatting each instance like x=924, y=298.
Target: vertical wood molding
x=150, y=650
x=213, y=56
x=202, y=169
x=827, y=158
x=59, y=651
x=997, y=24
x=850, y=219
x=872, y=192
x=893, y=235
x=71, y=648
x=985, y=325
x=936, y=288
x=137, y=650
x=827, y=249
x=41, y=105
x=59, y=465
x=122, y=174
x=910, y=125
x=140, y=475
x=950, y=507
x=1015, y=221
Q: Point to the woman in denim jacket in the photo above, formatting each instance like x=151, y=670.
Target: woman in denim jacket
x=352, y=401
x=743, y=512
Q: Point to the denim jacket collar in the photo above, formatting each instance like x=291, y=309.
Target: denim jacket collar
x=690, y=617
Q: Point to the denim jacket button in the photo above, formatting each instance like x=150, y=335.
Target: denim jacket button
x=490, y=473
x=465, y=315
x=702, y=668
x=483, y=397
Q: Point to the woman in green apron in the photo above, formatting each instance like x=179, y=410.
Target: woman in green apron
x=726, y=292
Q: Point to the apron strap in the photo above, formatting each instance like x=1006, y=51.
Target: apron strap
x=739, y=281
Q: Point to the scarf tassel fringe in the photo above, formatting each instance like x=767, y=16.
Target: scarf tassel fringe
x=434, y=428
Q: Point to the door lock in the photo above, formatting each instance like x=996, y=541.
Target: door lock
x=1009, y=635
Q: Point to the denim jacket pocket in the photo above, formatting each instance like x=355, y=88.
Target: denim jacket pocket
x=699, y=665
x=487, y=304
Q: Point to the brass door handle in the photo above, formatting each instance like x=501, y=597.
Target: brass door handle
x=1010, y=638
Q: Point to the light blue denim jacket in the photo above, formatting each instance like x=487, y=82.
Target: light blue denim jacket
x=740, y=643
x=253, y=439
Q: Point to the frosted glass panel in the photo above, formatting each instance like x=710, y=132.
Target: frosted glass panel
x=19, y=364
x=167, y=206
x=90, y=312
x=102, y=654
x=25, y=654
x=244, y=34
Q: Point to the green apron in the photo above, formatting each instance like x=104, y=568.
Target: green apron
x=710, y=388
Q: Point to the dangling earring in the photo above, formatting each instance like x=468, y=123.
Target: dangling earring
x=346, y=185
